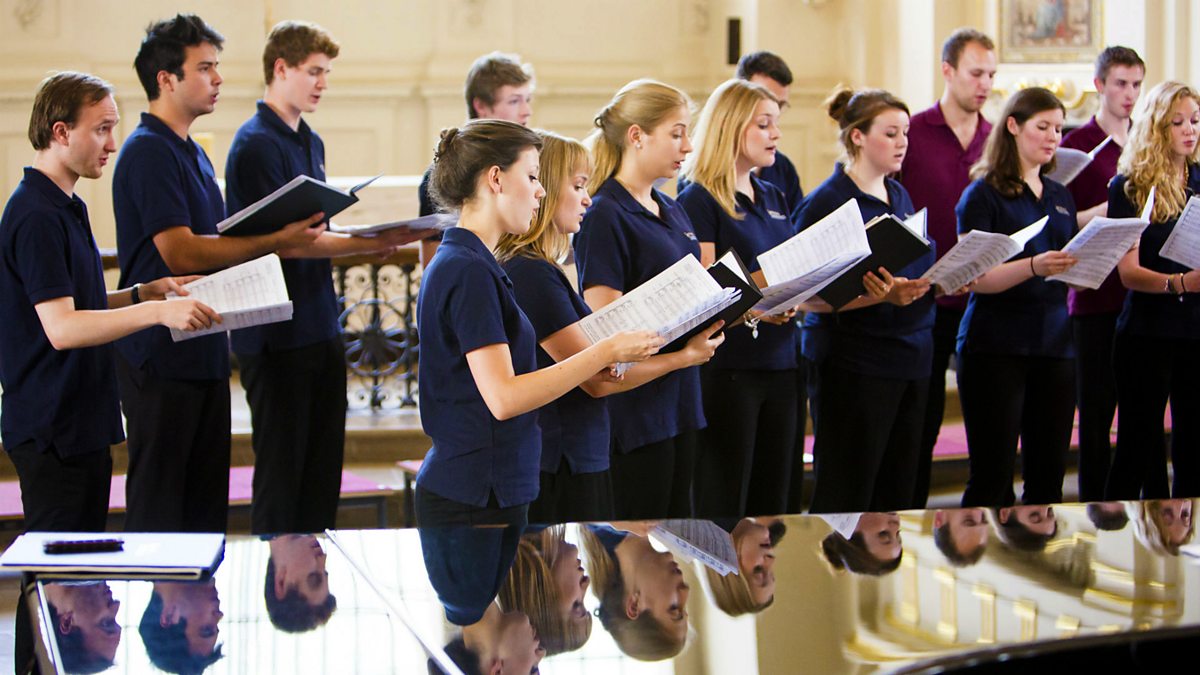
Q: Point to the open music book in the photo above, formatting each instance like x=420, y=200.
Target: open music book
x=802, y=266
x=977, y=252
x=895, y=244
x=1100, y=245
x=300, y=198
x=1183, y=244
x=435, y=221
x=701, y=540
x=1069, y=162
x=250, y=294
x=673, y=302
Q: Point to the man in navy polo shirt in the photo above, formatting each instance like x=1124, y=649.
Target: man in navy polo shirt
x=294, y=372
x=944, y=141
x=498, y=87
x=60, y=409
x=167, y=204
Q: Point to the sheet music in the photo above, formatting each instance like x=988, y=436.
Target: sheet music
x=974, y=254
x=1183, y=245
x=701, y=540
x=436, y=221
x=729, y=261
x=1099, y=247
x=916, y=223
x=779, y=298
x=671, y=303
x=250, y=294
x=1068, y=164
x=838, y=234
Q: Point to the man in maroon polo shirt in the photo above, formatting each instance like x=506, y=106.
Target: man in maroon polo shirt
x=943, y=143
x=1119, y=75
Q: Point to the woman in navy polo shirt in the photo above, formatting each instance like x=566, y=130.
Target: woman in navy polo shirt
x=631, y=233
x=1156, y=353
x=749, y=389
x=575, y=480
x=1016, y=374
x=871, y=360
x=478, y=378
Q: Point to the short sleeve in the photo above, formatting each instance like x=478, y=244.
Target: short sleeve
x=601, y=250
x=543, y=294
x=40, y=255
x=152, y=180
x=704, y=212
x=975, y=211
x=1119, y=205
x=473, y=311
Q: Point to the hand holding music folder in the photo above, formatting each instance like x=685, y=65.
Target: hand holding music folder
x=976, y=253
x=895, y=244
x=1101, y=244
x=300, y=198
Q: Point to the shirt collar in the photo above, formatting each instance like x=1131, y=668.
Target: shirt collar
x=273, y=120
x=613, y=188
x=49, y=188
x=845, y=183
x=160, y=127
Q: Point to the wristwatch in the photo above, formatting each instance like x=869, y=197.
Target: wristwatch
x=134, y=297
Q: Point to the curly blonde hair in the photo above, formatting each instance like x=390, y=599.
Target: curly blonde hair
x=1146, y=160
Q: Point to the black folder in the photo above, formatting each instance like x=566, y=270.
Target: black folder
x=727, y=278
x=893, y=247
x=297, y=200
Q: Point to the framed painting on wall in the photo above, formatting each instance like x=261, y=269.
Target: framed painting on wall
x=1050, y=31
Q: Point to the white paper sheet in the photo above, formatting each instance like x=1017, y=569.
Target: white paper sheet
x=977, y=252
x=436, y=221
x=250, y=294
x=1183, y=244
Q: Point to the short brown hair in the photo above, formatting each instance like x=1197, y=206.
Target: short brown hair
x=954, y=45
x=293, y=41
x=1117, y=56
x=489, y=73
x=59, y=98
x=764, y=63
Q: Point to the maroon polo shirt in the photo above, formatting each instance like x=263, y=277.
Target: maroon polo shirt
x=1090, y=188
x=936, y=171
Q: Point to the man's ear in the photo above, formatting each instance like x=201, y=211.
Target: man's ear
x=60, y=132
x=633, y=605
x=66, y=621
x=939, y=519
x=280, y=582
x=482, y=110
x=1003, y=514
x=170, y=616
x=280, y=68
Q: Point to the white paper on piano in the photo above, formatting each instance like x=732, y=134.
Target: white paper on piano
x=251, y=294
x=800, y=267
x=671, y=303
x=435, y=221
x=701, y=540
x=1069, y=162
x=977, y=252
x=1183, y=244
x=1100, y=245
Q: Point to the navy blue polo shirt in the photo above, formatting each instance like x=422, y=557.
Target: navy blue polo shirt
x=575, y=428
x=65, y=399
x=1029, y=319
x=766, y=223
x=465, y=303
x=782, y=174
x=425, y=204
x=163, y=181
x=882, y=340
x=622, y=245
x=467, y=565
x=1156, y=314
x=264, y=156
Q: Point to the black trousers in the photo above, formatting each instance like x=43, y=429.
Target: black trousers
x=795, y=495
x=745, y=453
x=63, y=494
x=945, y=337
x=1009, y=397
x=1096, y=397
x=1149, y=372
x=565, y=497
x=868, y=431
x=297, y=403
x=434, y=510
x=178, y=436
x=655, y=480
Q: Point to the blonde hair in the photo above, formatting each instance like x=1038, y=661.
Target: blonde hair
x=1148, y=525
x=530, y=588
x=642, y=638
x=731, y=593
x=645, y=103
x=561, y=158
x=1146, y=160
x=718, y=139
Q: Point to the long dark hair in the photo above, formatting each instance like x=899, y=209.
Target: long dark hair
x=1000, y=165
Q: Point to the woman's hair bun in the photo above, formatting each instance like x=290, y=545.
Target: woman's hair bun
x=447, y=137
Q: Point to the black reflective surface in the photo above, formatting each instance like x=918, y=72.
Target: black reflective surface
x=858, y=593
